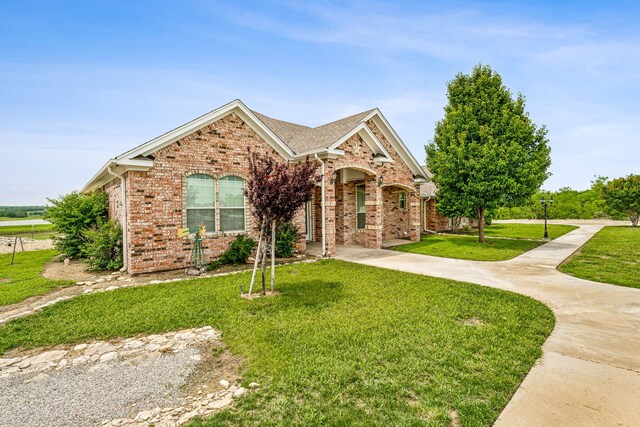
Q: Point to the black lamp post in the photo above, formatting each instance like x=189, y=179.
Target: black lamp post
x=545, y=204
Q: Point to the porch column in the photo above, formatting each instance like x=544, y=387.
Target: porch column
x=330, y=212
x=373, y=202
x=414, y=215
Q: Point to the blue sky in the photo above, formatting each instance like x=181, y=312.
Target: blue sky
x=83, y=81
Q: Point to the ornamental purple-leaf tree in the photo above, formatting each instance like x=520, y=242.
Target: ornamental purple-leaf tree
x=276, y=190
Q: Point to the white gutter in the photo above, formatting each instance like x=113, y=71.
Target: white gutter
x=324, y=215
x=123, y=213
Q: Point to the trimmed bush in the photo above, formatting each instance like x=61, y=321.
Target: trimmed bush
x=287, y=235
x=239, y=251
x=103, y=246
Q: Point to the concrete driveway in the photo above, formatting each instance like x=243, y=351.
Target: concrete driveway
x=589, y=374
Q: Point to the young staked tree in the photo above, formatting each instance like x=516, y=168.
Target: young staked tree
x=486, y=152
x=276, y=190
x=623, y=195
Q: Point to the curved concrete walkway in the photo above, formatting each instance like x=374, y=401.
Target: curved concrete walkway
x=589, y=374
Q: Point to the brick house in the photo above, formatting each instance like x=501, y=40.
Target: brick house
x=195, y=174
x=430, y=218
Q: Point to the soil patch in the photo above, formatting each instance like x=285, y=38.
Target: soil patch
x=217, y=364
x=472, y=321
x=75, y=270
x=79, y=272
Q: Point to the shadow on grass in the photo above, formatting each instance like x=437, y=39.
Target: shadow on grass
x=312, y=294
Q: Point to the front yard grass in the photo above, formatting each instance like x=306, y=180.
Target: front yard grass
x=468, y=248
x=509, y=241
x=611, y=256
x=527, y=231
x=39, y=232
x=23, y=279
x=341, y=344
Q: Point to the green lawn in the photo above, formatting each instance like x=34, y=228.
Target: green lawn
x=22, y=279
x=611, y=256
x=342, y=344
x=509, y=242
x=467, y=247
x=527, y=231
x=40, y=231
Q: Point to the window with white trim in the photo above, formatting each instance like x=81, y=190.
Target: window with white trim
x=361, y=210
x=201, y=202
x=231, y=191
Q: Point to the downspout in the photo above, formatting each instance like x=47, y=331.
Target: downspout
x=324, y=215
x=123, y=213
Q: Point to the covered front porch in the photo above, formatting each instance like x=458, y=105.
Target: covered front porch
x=361, y=209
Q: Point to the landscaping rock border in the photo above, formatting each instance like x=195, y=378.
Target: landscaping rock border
x=97, y=355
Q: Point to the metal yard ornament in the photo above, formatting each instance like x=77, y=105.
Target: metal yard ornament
x=199, y=261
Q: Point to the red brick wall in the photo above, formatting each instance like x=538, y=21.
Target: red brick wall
x=317, y=214
x=114, y=195
x=156, y=202
x=396, y=221
x=434, y=220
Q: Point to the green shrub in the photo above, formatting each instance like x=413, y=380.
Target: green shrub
x=72, y=215
x=287, y=235
x=238, y=253
x=103, y=246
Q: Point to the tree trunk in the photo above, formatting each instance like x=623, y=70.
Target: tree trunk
x=634, y=220
x=481, y=224
x=257, y=260
x=273, y=255
x=264, y=267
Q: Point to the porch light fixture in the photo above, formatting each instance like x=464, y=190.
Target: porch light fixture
x=334, y=176
x=380, y=181
x=545, y=204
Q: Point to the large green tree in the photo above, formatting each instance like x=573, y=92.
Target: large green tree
x=486, y=152
x=623, y=195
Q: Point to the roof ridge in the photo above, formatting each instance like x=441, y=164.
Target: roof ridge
x=362, y=113
x=259, y=114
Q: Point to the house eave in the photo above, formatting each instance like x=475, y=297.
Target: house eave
x=237, y=107
x=390, y=134
x=118, y=166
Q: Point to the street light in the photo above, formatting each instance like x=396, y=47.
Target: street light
x=544, y=203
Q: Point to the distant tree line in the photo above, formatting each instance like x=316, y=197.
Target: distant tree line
x=567, y=204
x=21, y=211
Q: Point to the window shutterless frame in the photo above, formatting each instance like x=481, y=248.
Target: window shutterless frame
x=402, y=200
x=224, y=207
x=200, y=202
x=231, y=204
x=361, y=210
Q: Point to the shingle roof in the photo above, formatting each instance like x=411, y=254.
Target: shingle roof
x=428, y=189
x=304, y=138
